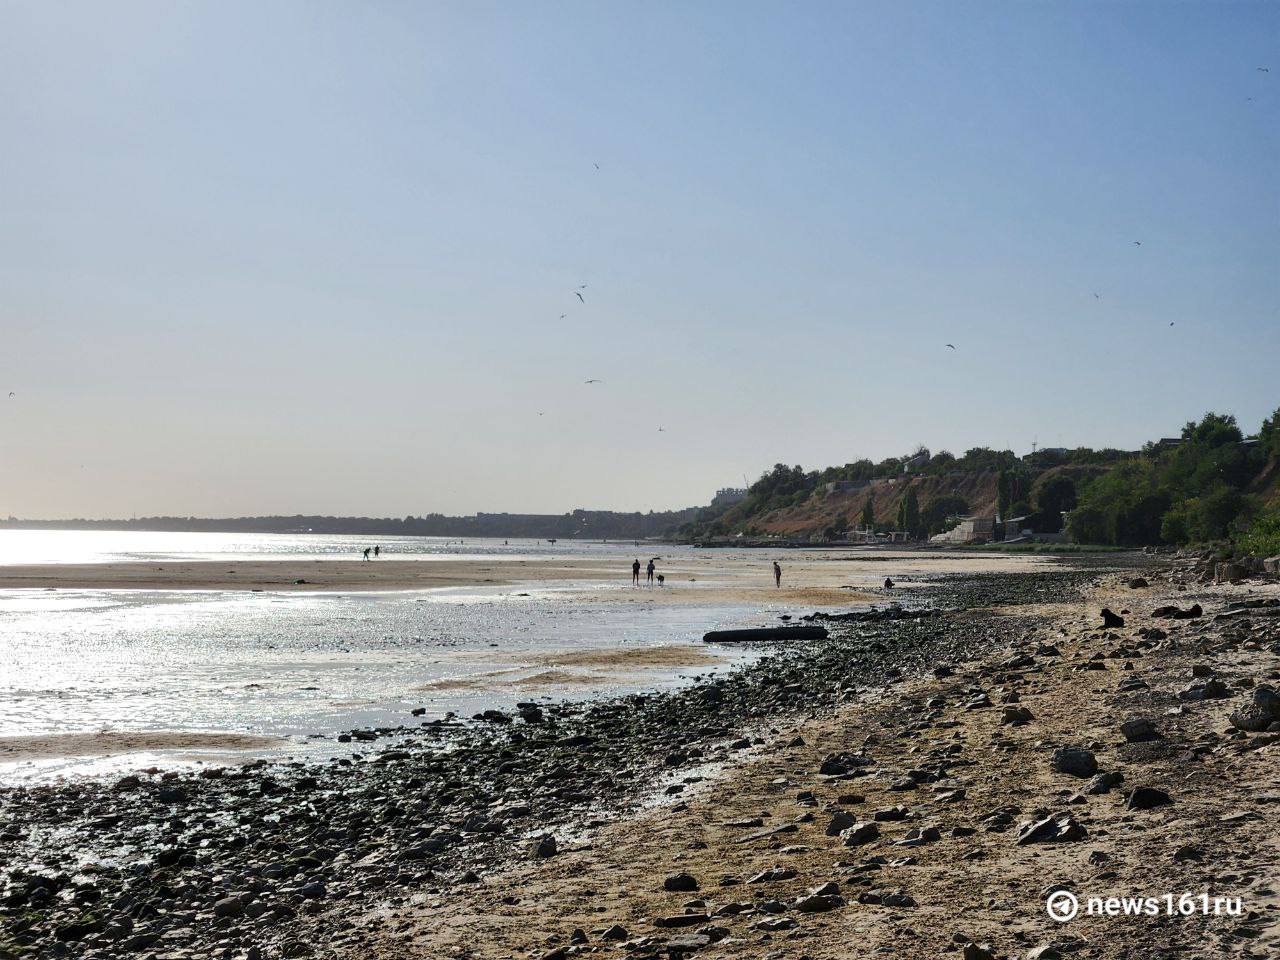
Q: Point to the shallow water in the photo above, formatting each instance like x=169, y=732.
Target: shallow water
x=306, y=666
x=112, y=546
x=300, y=665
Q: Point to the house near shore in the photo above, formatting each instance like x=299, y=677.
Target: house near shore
x=968, y=530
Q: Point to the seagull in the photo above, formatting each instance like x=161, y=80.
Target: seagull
x=578, y=295
x=582, y=286
x=1264, y=69
x=596, y=165
x=563, y=315
x=12, y=394
x=1171, y=323
x=662, y=429
x=594, y=381
x=542, y=413
x=1095, y=296
x=951, y=345
x=1137, y=243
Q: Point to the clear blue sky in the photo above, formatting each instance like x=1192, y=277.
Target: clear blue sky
x=312, y=257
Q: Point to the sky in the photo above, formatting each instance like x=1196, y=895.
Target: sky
x=283, y=257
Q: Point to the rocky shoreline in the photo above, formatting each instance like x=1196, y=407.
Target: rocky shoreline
x=272, y=859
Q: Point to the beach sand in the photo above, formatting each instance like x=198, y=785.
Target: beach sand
x=823, y=578
x=51, y=746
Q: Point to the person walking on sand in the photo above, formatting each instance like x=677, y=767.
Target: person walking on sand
x=649, y=570
x=777, y=574
x=366, y=553
x=635, y=573
x=376, y=551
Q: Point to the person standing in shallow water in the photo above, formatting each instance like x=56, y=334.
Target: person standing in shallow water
x=635, y=573
x=366, y=553
x=777, y=574
x=649, y=571
x=376, y=551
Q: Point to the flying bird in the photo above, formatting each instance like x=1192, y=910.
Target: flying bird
x=1095, y=296
x=1137, y=243
x=596, y=165
x=563, y=315
x=594, y=381
x=542, y=413
x=951, y=345
x=1171, y=323
x=662, y=429
x=582, y=286
x=12, y=394
x=1264, y=69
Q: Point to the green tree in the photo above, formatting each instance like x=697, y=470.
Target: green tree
x=1213, y=430
x=1215, y=512
x=869, y=512
x=934, y=517
x=1270, y=434
x=1262, y=539
x=1052, y=498
x=909, y=513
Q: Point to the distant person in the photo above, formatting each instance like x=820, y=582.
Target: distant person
x=366, y=553
x=777, y=574
x=661, y=579
x=635, y=573
x=376, y=551
x=649, y=569
x=888, y=583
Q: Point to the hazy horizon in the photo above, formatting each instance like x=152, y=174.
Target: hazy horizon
x=313, y=259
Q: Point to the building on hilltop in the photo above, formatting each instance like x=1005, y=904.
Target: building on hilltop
x=728, y=496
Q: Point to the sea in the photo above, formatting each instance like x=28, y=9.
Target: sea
x=304, y=667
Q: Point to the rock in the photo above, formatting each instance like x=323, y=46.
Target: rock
x=919, y=837
x=890, y=814
x=1260, y=712
x=680, y=883
x=228, y=907
x=616, y=932
x=860, y=833
x=1111, y=620
x=681, y=920
x=840, y=820
x=1102, y=783
x=1055, y=828
x=1145, y=798
x=819, y=903
x=776, y=923
x=1139, y=730
x=1226, y=572
x=687, y=943
x=540, y=848
x=1075, y=761
x=1016, y=716
x=1213, y=689
x=773, y=875
x=978, y=951
x=1137, y=583
x=1175, y=613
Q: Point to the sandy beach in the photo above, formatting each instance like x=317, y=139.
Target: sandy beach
x=809, y=576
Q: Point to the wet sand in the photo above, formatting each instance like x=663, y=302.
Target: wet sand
x=53, y=746
x=811, y=577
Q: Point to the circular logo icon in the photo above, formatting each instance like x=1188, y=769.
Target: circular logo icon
x=1062, y=905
